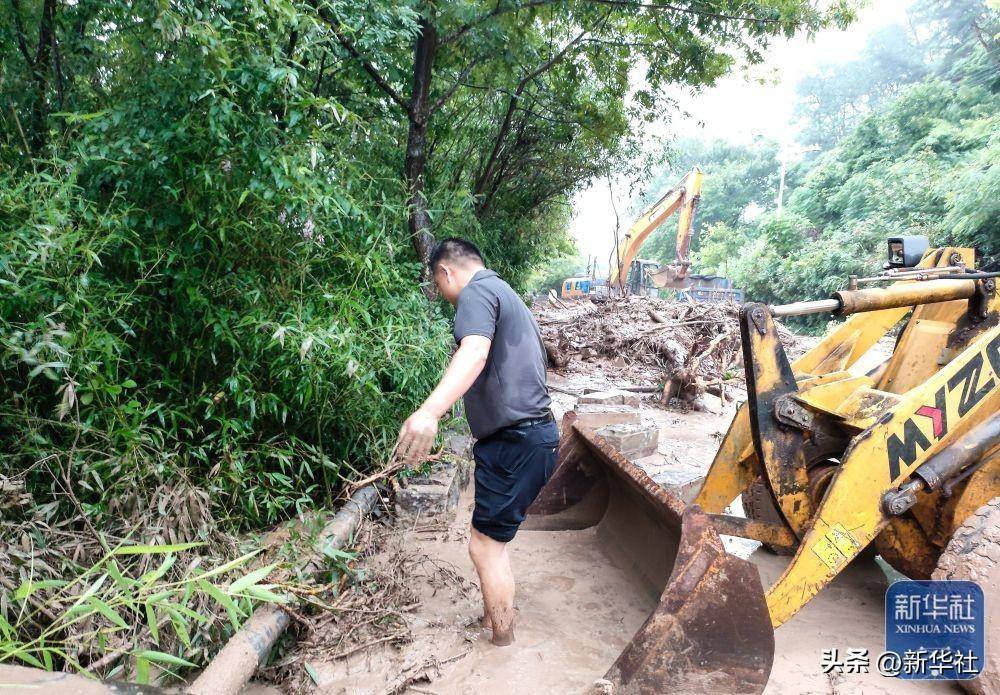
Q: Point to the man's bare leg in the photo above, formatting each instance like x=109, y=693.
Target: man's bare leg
x=497, y=582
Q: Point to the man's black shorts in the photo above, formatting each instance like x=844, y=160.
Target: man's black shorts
x=512, y=465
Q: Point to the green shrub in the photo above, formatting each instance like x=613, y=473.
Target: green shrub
x=198, y=290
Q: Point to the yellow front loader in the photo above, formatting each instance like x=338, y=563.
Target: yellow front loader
x=836, y=462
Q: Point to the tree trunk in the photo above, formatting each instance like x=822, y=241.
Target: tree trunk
x=416, y=143
x=40, y=67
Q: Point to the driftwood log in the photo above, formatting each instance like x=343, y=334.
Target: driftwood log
x=235, y=664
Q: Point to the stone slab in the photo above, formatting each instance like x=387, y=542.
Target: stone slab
x=592, y=416
x=434, y=492
x=611, y=397
x=459, y=443
x=633, y=441
x=681, y=481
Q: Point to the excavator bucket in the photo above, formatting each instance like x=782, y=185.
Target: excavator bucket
x=674, y=277
x=710, y=631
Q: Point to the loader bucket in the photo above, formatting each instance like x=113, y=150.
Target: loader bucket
x=711, y=630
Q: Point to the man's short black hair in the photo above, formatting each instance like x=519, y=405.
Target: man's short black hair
x=455, y=249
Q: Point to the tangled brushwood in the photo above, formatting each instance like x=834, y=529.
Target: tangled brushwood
x=650, y=341
x=105, y=607
x=371, y=605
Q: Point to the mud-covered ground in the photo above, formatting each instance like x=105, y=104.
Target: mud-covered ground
x=576, y=609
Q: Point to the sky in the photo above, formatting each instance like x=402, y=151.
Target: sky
x=739, y=108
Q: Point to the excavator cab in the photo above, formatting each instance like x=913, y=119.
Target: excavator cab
x=839, y=461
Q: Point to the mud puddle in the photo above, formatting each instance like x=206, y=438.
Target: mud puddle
x=576, y=611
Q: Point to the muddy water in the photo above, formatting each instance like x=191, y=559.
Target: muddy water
x=575, y=613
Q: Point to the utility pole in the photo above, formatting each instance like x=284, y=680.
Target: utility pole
x=783, y=155
x=781, y=181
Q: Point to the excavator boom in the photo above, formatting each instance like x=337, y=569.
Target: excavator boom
x=684, y=197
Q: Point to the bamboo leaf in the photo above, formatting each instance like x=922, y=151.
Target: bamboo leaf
x=116, y=575
x=29, y=587
x=232, y=564
x=152, y=549
x=163, y=658
x=252, y=578
x=151, y=576
x=108, y=612
x=28, y=659
x=151, y=621
x=79, y=606
x=263, y=593
x=180, y=627
x=216, y=593
x=142, y=670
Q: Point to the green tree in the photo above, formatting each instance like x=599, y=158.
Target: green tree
x=832, y=100
x=550, y=276
x=721, y=245
x=542, y=73
x=739, y=180
x=925, y=164
x=208, y=212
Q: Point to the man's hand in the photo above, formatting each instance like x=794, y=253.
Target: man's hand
x=416, y=437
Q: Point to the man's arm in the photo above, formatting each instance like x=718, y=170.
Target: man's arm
x=418, y=432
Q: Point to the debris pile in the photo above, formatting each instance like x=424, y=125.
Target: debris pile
x=687, y=347
x=373, y=608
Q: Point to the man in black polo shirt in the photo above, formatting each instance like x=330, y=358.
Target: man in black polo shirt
x=499, y=368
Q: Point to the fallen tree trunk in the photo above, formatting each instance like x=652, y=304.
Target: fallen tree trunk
x=556, y=354
x=235, y=664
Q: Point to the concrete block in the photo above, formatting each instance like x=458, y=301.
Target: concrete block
x=633, y=441
x=612, y=397
x=459, y=444
x=682, y=481
x=434, y=492
x=594, y=417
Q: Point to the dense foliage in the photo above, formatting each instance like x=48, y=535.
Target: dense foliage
x=550, y=275
x=195, y=277
x=740, y=182
x=207, y=213
x=922, y=162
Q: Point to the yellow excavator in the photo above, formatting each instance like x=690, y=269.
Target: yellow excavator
x=902, y=460
x=628, y=271
x=633, y=275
